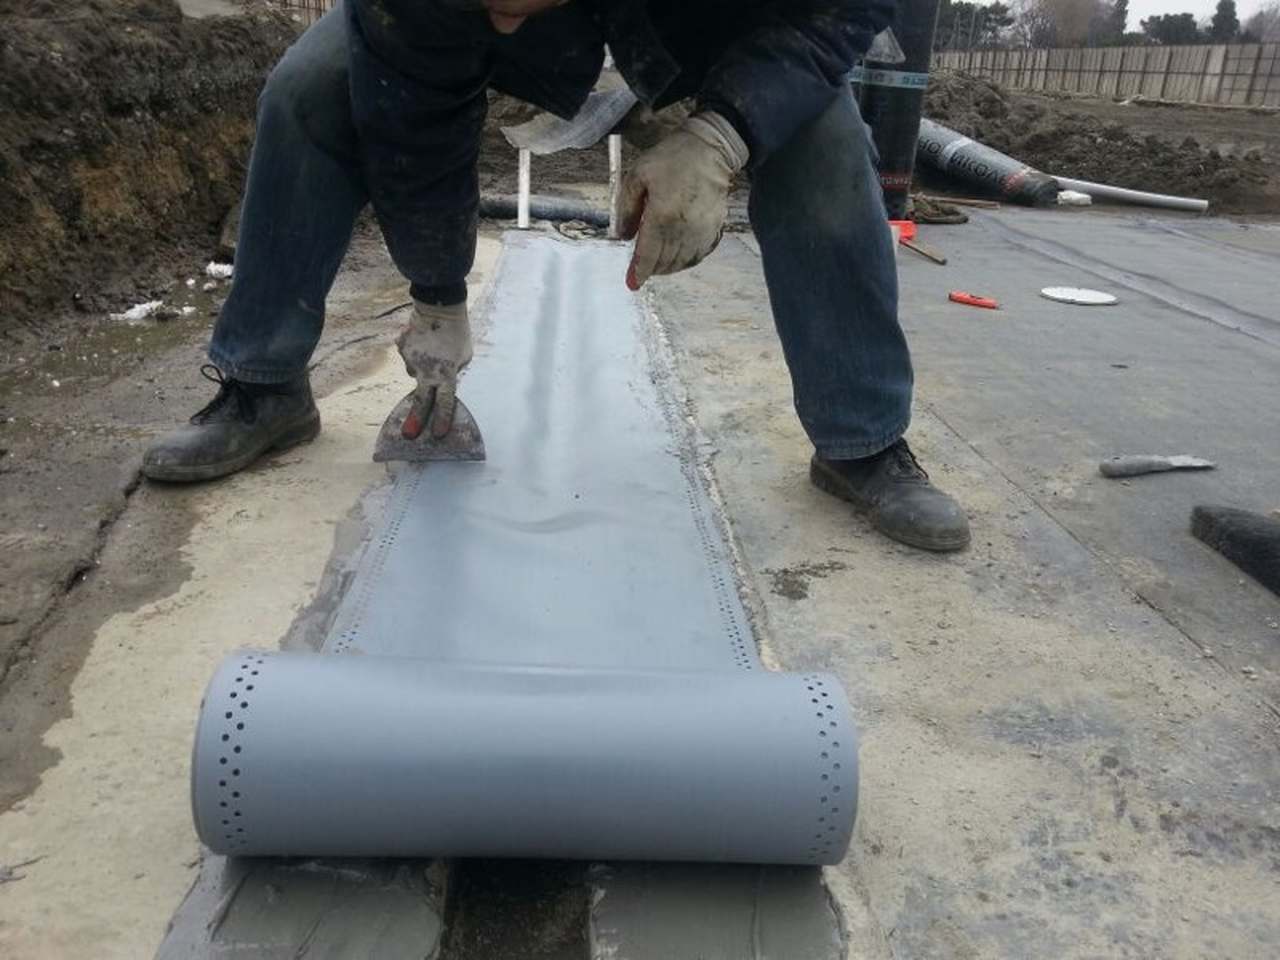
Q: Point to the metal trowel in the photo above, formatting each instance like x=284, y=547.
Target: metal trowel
x=1135, y=465
x=462, y=442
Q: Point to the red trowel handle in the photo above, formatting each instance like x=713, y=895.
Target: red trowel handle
x=973, y=300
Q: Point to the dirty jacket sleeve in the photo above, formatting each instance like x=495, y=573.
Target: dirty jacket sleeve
x=788, y=65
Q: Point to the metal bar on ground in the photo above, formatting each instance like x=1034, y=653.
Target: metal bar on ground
x=522, y=191
x=615, y=184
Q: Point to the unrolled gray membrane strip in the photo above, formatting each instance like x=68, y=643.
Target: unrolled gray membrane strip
x=545, y=653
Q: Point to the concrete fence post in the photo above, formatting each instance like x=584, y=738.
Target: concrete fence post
x=1253, y=75
x=1244, y=74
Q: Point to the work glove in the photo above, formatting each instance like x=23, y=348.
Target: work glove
x=675, y=199
x=435, y=346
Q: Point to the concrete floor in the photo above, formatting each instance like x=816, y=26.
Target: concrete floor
x=1062, y=755
x=108, y=826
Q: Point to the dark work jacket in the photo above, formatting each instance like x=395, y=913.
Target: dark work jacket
x=769, y=66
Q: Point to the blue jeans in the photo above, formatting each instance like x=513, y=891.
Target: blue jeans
x=816, y=209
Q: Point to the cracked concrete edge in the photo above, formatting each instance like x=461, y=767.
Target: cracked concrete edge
x=860, y=933
x=77, y=570
x=686, y=911
x=336, y=909
x=407, y=902
x=351, y=537
x=703, y=451
x=313, y=902
x=850, y=901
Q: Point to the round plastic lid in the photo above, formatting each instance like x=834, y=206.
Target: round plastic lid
x=1080, y=295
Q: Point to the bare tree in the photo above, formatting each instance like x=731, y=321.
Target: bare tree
x=1072, y=19
x=1058, y=23
x=1033, y=24
x=1264, y=26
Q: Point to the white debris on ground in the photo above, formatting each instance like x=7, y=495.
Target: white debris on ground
x=209, y=285
x=219, y=271
x=1073, y=198
x=138, y=312
x=191, y=282
x=188, y=311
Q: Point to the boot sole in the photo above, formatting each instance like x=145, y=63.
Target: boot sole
x=835, y=486
x=304, y=432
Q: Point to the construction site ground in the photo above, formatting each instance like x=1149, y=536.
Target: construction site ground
x=1228, y=156
x=1070, y=732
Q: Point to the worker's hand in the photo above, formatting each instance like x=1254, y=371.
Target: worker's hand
x=676, y=198
x=507, y=15
x=435, y=346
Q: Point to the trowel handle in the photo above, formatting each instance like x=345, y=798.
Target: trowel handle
x=1134, y=466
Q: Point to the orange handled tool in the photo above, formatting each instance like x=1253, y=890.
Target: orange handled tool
x=973, y=300
x=906, y=229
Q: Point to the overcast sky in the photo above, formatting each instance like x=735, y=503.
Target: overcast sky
x=1140, y=9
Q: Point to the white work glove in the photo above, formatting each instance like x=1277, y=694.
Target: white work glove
x=435, y=346
x=676, y=198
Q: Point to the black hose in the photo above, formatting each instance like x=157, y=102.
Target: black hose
x=503, y=207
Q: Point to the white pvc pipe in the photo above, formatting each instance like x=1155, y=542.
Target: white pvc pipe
x=615, y=182
x=1102, y=191
x=522, y=192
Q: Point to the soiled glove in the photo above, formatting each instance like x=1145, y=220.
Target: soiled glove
x=676, y=198
x=435, y=346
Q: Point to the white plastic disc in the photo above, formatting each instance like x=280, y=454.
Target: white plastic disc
x=1080, y=295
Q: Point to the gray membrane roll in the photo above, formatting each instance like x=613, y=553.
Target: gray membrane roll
x=543, y=654
x=446, y=760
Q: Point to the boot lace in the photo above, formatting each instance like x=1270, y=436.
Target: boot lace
x=905, y=463
x=229, y=390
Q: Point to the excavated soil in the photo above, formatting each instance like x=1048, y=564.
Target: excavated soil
x=125, y=135
x=1167, y=150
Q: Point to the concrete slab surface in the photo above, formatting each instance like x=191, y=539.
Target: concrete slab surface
x=1054, y=763
x=711, y=912
x=1063, y=754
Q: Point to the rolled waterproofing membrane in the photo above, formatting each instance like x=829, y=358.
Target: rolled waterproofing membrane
x=959, y=156
x=544, y=654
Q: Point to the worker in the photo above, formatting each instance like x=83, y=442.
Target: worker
x=384, y=102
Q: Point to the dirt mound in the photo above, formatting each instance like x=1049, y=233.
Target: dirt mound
x=125, y=136
x=1051, y=136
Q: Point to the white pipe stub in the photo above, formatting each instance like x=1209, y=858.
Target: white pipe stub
x=1078, y=295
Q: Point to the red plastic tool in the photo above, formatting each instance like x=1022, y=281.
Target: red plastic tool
x=906, y=229
x=973, y=300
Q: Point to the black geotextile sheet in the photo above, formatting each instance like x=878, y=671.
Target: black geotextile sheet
x=544, y=654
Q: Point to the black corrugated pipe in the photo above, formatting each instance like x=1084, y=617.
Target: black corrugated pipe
x=893, y=98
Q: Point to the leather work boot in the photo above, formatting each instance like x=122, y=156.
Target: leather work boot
x=895, y=491
x=240, y=424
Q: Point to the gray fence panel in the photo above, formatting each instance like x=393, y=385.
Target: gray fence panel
x=1237, y=74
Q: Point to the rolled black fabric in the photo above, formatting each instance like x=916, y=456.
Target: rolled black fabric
x=980, y=165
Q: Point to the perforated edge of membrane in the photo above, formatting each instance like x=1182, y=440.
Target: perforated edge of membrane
x=227, y=822
x=346, y=631
x=710, y=527
x=836, y=786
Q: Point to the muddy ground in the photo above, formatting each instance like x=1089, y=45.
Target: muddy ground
x=1229, y=157
x=126, y=132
